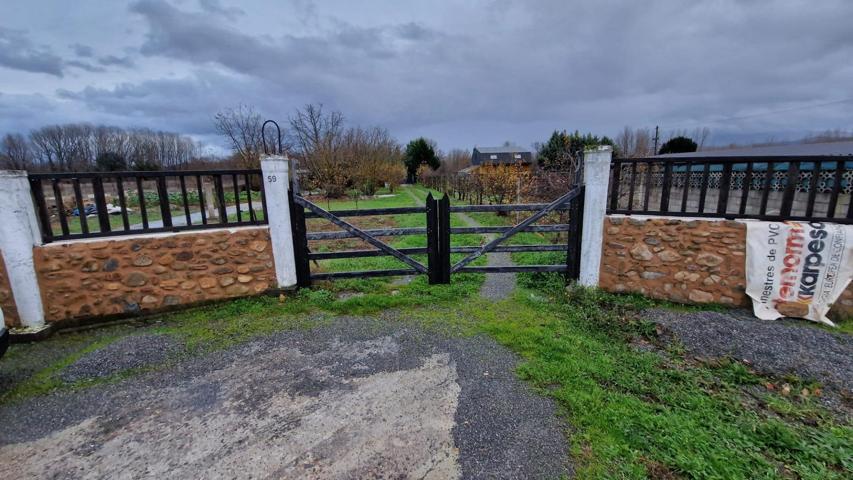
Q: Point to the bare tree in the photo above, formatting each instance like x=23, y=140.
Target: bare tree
x=644, y=145
x=700, y=136
x=625, y=142
x=16, y=152
x=317, y=140
x=371, y=155
x=52, y=147
x=315, y=130
x=632, y=143
x=78, y=146
x=242, y=126
x=831, y=135
x=453, y=162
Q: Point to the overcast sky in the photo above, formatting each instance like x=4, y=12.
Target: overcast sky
x=463, y=73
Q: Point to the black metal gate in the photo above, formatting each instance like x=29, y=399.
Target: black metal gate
x=438, y=232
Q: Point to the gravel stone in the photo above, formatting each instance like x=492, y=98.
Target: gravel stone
x=497, y=286
x=772, y=347
x=131, y=352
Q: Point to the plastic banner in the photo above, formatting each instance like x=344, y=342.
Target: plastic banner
x=797, y=269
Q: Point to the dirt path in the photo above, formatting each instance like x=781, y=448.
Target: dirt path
x=415, y=198
x=497, y=285
x=358, y=398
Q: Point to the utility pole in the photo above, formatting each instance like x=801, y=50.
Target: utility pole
x=657, y=136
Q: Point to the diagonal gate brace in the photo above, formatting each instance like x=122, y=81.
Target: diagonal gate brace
x=512, y=231
x=361, y=234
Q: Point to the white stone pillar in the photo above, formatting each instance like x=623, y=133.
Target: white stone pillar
x=19, y=233
x=276, y=178
x=596, y=173
x=210, y=201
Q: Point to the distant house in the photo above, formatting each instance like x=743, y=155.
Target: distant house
x=491, y=156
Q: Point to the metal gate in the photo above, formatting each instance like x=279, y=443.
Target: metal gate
x=438, y=232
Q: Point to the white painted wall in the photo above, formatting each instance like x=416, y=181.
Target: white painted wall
x=276, y=180
x=596, y=165
x=19, y=233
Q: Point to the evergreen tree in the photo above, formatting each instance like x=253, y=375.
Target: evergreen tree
x=562, y=149
x=419, y=152
x=678, y=145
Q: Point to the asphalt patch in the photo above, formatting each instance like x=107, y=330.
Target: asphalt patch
x=356, y=398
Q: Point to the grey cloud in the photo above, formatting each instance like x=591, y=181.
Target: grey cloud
x=81, y=50
x=216, y=7
x=186, y=104
x=193, y=37
x=20, y=113
x=414, y=31
x=18, y=52
x=112, y=60
x=85, y=66
x=521, y=63
x=484, y=71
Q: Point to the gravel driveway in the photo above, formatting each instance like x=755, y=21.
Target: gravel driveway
x=776, y=348
x=357, y=398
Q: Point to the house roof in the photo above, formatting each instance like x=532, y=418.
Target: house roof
x=501, y=155
x=793, y=149
x=509, y=149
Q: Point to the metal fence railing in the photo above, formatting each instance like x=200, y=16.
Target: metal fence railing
x=763, y=188
x=86, y=205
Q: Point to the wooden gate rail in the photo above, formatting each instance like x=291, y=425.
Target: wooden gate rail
x=515, y=207
x=360, y=234
x=560, y=227
x=367, y=212
x=437, y=232
x=422, y=250
x=381, y=232
x=568, y=197
x=392, y=232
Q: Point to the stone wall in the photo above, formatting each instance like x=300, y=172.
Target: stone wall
x=687, y=261
x=131, y=275
x=7, y=300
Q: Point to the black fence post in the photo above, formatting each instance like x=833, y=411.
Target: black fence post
x=573, y=244
x=163, y=194
x=617, y=180
x=444, y=238
x=666, y=186
x=41, y=206
x=101, y=204
x=300, y=242
x=790, y=188
x=220, y=198
x=725, y=186
x=433, y=254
